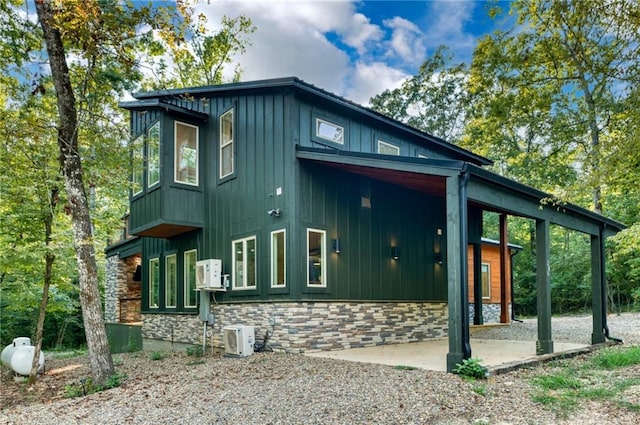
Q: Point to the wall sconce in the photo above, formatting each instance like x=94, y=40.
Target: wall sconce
x=336, y=245
x=395, y=252
x=439, y=258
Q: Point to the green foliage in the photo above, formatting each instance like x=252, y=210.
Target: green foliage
x=614, y=358
x=480, y=389
x=195, y=351
x=158, y=355
x=86, y=386
x=471, y=368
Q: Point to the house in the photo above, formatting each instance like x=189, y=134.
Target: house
x=336, y=226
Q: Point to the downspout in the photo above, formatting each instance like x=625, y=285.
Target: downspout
x=603, y=290
x=513, y=305
x=464, y=265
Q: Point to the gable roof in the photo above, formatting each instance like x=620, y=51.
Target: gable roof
x=166, y=97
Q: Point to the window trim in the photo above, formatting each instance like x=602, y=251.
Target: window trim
x=148, y=133
x=175, y=153
x=244, y=241
x=323, y=258
x=488, y=280
x=382, y=143
x=320, y=121
x=167, y=280
x=274, y=271
x=185, y=274
x=141, y=171
x=230, y=143
x=156, y=287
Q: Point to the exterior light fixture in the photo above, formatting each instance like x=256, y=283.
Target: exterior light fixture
x=395, y=252
x=336, y=245
x=439, y=258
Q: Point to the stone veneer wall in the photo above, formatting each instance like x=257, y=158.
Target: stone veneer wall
x=122, y=298
x=309, y=326
x=490, y=313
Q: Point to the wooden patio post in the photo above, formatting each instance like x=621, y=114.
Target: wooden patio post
x=504, y=270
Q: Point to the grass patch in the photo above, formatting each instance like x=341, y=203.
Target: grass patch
x=85, y=386
x=570, y=382
x=157, y=355
x=195, y=351
x=480, y=389
x=402, y=367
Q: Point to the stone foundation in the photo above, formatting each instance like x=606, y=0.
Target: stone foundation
x=490, y=313
x=308, y=326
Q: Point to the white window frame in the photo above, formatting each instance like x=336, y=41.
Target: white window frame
x=168, y=279
x=422, y=156
x=157, y=158
x=154, y=282
x=323, y=259
x=245, y=262
x=187, y=277
x=382, y=145
x=177, y=149
x=320, y=122
x=488, y=280
x=137, y=165
x=275, y=256
x=227, y=144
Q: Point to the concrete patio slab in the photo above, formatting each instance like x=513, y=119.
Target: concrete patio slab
x=432, y=355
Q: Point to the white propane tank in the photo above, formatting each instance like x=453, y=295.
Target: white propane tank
x=22, y=358
x=9, y=349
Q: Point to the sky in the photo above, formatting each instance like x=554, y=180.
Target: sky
x=355, y=49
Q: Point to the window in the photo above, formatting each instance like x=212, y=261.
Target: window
x=329, y=131
x=186, y=153
x=278, y=259
x=486, y=280
x=387, y=148
x=171, y=281
x=137, y=165
x=244, y=263
x=190, y=295
x=316, y=258
x=154, y=283
x=153, y=155
x=226, y=144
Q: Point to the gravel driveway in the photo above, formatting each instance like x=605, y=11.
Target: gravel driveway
x=269, y=388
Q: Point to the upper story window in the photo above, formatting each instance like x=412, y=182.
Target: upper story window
x=137, y=165
x=329, y=131
x=186, y=153
x=226, y=144
x=316, y=258
x=244, y=263
x=387, y=148
x=153, y=155
x=278, y=259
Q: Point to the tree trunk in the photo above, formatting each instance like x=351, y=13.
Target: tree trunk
x=70, y=161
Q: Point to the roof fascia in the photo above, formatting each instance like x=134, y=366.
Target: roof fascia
x=147, y=104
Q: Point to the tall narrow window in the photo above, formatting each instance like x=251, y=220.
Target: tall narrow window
x=486, y=280
x=171, y=281
x=153, y=155
x=226, y=144
x=316, y=258
x=387, y=148
x=278, y=259
x=186, y=153
x=190, y=295
x=154, y=283
x=137, y=165
x=244, y=263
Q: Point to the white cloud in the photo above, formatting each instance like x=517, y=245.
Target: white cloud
x=406, y=40
x=446, y=26
x=373, y=78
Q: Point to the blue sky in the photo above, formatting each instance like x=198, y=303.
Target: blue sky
x=353, y=48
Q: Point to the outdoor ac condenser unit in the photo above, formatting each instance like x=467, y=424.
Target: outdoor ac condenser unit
x=209, y=275
x=238, y=340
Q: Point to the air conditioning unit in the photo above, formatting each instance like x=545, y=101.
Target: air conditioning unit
x=209, y=275
x=238, y=340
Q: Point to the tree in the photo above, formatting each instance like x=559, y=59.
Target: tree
x=434, y=100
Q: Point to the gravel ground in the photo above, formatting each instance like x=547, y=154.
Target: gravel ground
x=273, y=388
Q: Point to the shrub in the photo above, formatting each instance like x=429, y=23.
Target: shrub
x=471, y=368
